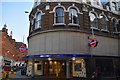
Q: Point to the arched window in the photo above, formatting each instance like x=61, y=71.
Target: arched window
x=38, y=20
x=114, y=24
x=59, y=15
x=32, y=24
x=103, y=22
x=73, y=16
x=118, y=26
x=93, y=20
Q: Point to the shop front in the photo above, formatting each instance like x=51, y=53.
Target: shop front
x=57, y=65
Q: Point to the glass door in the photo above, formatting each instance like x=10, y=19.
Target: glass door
x=55, y=68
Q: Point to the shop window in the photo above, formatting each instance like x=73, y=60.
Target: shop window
x=77, y=66
x=73, y=16
x=105, y=67
x=59, y=15
x=39, y=67
x=93, y=20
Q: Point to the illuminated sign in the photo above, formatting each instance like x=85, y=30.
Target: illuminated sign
x=93, y=42
x=22, y=49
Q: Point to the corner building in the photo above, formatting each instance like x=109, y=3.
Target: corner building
x=59, y=35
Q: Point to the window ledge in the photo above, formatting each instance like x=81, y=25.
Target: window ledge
x=57, y=24
x=73, y=25
x=94, y=28
x=116, y=32
x=104, y=30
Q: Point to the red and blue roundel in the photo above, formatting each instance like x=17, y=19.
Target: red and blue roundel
x=93, y=42
x=22, y=49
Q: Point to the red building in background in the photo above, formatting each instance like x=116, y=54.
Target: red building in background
x=9, y=49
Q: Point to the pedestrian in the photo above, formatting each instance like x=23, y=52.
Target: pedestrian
x=94, y=76
x=7, y=69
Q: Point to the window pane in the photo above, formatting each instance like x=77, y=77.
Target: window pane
x=105, y=66
x=38, y=20
x=93, y=19
x=103, y=22
x=114, y=24
x=118, y=26
x=73, y=17
x=32, y=24
x=59, y=16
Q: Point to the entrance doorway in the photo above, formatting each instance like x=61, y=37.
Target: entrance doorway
x=54, y=68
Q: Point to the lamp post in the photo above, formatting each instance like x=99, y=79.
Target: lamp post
x=91, y=61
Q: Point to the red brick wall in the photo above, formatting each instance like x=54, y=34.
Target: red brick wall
x=8, y=47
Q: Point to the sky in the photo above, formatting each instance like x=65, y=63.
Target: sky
x=12, y=13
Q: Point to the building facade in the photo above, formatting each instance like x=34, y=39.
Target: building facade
x=74, y=39
x=9, y=53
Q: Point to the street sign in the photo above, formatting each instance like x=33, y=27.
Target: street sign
x=93, y=42
x=22, y=49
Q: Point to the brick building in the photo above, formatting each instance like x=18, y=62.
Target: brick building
x=9, y=53
x=74, y=39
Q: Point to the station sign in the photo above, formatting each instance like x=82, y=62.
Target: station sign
x=22, y=49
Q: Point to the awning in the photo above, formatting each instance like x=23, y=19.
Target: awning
x=56, y=56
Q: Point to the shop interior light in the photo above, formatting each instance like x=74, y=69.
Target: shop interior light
x=73, y=58
x=49, y=59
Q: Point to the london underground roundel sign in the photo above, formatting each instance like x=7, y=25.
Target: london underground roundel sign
x=93, y=42
x=22, y=49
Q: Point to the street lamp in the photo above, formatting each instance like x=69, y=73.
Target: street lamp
x=26, y=12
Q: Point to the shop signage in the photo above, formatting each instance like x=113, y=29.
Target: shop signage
x=22, y=49
x=93, y=42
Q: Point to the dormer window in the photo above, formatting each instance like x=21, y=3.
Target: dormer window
x=73, y=16
x=95, y=2
x=59, y=15
x=37, y=2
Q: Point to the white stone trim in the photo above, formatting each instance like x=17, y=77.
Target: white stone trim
x=57, y=24
x=38, y=12
x=73, y=7
x=59, y=5
x=94, y=28
x=70, y=24
x=103, y=15
x=94, y=13
x=114, y=18
x=104, y=30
